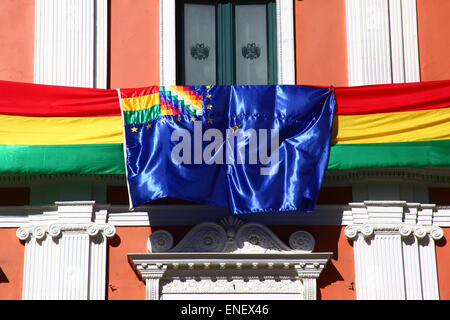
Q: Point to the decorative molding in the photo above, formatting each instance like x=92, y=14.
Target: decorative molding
x=230, y=235
x=232, y=258
x=232, y=268
x=412, y=213
x=394, y=250
x=55, y=230
x=404, y=230
x=65, y=253
x=428, y=176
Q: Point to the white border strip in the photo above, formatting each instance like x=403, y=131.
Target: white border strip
x=124, y=147
x=167, y=42
x=285, y=42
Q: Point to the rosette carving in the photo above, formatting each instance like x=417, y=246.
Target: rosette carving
x=109, y=230
x=92, y=230
x=23, y=233
x=405, y=231
x=351, y=231
x=420, y=232
x=160, y=241
x=302, y=240
x=54, y=230
x=39, y=232
x=367, y=231
x=436, y=233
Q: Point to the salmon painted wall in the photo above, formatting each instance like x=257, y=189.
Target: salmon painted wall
x=335, y=283
x=321, y=42
x=134, y=43
x=122, y=282
x=17, y=40
x=337, y=279
x=442, y=260
x=11, y=265
x=433, y=23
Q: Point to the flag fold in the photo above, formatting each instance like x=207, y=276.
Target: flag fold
x=247, y=148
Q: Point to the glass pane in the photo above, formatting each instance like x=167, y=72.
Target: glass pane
x=199, y=44
x=251, y=44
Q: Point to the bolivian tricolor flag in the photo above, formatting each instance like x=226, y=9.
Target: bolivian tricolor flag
x=397, y=125
x=54, y=129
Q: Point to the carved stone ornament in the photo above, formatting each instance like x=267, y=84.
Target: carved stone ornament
x=229, y=258
x=405, y=230
x=230, y=235
x=56, y=230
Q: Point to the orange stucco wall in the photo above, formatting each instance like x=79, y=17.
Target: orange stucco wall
x=122, y=282
x=442, y=260
x=433, y=23
x=337, y=279
x=17, y=40
x=11, y=265
x=320, y=42
x=134, y=43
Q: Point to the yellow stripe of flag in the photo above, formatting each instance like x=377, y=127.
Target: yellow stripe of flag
x=18, y=130
x=423, y=125
x=140, y=103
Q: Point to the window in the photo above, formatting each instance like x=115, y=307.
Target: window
x=226, y=42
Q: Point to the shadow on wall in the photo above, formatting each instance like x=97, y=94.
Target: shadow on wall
x=3, y=277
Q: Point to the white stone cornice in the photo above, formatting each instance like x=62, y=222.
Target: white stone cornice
x=149, y=265
x=425, y=214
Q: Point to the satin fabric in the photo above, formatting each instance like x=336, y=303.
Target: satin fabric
x=303, y=117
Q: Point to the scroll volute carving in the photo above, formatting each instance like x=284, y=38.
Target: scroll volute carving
x=230, y=235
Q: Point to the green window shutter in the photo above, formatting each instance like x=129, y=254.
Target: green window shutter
x=272, y=41
x=225, y=44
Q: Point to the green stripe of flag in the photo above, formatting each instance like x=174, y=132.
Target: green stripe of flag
x=57, y=159
x=383, y=155
x=142, y=116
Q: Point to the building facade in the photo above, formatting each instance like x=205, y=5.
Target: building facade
x=375, y=234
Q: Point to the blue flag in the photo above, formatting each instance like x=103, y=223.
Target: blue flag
x=247, y=148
